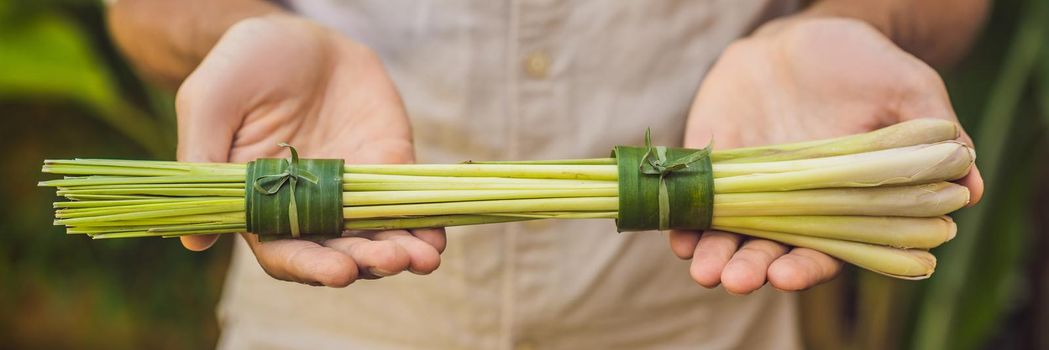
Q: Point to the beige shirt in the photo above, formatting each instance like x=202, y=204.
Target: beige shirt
x=505, y=80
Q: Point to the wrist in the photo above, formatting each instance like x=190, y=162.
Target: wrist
x=208, y=31
x=332, y=43
x=166, y=40
x=785, y=24
x=937, y=34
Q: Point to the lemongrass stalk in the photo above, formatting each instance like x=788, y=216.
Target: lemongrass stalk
x=926, y=200
x=84, y=212
x=922, y=131
x=197, y=228
x=939, y=162
x=534, y=171
x=461, y=220
x=738, y=169
x=899, y=232
x=187, y=185
x=428, y=221
x=163, y=213
x=397, y=178
x=216, y=229
x=583, y=161
x=98, y=197
x=154, y=167
x=909, y=133
x=154, y=164
x=184, y=229
x=913, y=201
x=161, y=191
x=484, y=207
x=398, y=197
x=911, y=264
x=173, y=179
x=229, y=217
x=122, y=202
x=928, y=163
x=102, y=169
x=563, y=214
x=449, y=186
x=908, y=201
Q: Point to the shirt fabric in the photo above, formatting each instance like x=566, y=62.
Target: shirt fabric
x=506, y=80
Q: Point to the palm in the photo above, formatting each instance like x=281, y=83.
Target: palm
x=280, y=83
x=832, y=78
x=287, y=80
x=792, y=82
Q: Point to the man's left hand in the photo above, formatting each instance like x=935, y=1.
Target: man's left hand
x=794, y=80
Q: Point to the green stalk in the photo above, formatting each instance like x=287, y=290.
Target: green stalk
x=738, y=169
x=827, y=195
x=938, y=162
x=929, y=200
x=449, y=186
x=87, y=212
x=162, y=191
x=172, y=179
x=352, y=178
x=164, y=213
x=909, y=133
x=533, y=171
x=400, y=197
x=484, y=207
x=119, y=202
x=899, y=232
x=462, y=220
x=894, y=262
x=228, y=217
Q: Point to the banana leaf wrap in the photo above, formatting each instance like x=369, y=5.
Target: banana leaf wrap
x=301, y=198
x=664, y=188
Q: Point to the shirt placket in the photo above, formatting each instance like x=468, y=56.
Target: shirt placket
x=533, y=62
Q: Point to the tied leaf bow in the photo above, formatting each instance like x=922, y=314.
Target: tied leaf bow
x=654, y=162
x=272, y=184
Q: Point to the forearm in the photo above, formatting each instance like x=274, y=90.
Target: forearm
x=166, y=39
x=938, y=32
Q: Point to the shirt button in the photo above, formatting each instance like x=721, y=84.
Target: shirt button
x=537, y=64
x=524, y=345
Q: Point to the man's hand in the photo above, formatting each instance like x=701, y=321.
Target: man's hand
x=279, y=78
x=795, y=80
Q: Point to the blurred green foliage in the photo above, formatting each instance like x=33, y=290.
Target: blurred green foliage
x=990, y=289
x=65, y=92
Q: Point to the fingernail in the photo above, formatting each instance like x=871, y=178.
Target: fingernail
x=380, y=272
x=736, y=293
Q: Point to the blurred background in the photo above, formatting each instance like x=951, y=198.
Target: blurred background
x=66, y=92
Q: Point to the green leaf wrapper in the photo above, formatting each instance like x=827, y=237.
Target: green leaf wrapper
x=316, y=205
x=688, y=197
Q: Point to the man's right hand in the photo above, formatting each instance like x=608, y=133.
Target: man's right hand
x=279, y=78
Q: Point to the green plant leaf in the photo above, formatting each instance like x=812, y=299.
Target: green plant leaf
x=936, y=321
x=45, y=56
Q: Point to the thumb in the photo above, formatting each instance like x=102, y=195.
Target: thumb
x=700, y=132
x=206, y=125
x=934, y=103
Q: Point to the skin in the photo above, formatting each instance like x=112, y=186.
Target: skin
x=250, y=75
x=324, y=94
x=782, y=78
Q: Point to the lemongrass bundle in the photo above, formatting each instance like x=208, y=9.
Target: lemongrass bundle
x=878, y=200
